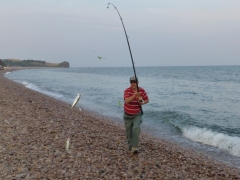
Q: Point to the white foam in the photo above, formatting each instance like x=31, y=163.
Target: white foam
x=36, y=88
x=6, y=73
x=25, y=83
x=219, y=140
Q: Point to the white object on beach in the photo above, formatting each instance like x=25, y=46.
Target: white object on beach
x=67, y=144
x=80, y=109
x=76, y=100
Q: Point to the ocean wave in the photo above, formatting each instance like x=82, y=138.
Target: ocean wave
x=25, y=83
x=6, y=73
x=209, y=137
x=164, y=121
x=38, y=89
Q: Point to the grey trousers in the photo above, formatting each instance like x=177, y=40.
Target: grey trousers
x=132, y=127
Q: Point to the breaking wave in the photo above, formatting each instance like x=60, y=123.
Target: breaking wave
x=38, y=89
x=209, y=137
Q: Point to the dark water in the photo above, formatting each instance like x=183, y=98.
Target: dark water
x=192, y=106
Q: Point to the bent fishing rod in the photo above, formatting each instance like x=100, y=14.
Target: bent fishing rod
x=128, y=48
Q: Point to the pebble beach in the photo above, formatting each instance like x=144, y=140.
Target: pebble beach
x=34, y=129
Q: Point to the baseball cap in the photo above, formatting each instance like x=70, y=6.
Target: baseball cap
x=133, y=78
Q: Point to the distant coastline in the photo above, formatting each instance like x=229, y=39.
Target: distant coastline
x=20, y=68
x=20, y=64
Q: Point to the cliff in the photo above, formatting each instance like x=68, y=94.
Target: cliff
x=33, y=63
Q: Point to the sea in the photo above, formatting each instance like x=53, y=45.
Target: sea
x=196, y=107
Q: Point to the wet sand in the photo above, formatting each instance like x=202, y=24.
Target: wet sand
x=34, y=130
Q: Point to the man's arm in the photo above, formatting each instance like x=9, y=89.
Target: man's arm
x=131, y=98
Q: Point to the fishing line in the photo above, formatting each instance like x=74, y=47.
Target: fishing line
x=128, y=48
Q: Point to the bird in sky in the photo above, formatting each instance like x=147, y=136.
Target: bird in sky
x=99, y=57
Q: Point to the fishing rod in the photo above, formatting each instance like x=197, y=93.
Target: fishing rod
x=128, y=48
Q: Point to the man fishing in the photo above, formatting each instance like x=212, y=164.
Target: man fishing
x=134, y=98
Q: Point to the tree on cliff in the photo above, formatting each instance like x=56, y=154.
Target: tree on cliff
x=2, y=64
x=64, y=64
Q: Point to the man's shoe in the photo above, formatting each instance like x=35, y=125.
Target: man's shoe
x=134, y=150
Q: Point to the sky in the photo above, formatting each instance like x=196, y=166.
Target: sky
x=160, y=33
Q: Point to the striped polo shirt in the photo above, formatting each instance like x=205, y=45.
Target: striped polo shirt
x=133, y=107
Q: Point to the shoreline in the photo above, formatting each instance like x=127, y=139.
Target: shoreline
x=35, y=128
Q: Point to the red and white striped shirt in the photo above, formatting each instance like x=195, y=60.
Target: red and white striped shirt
x=133, y=107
